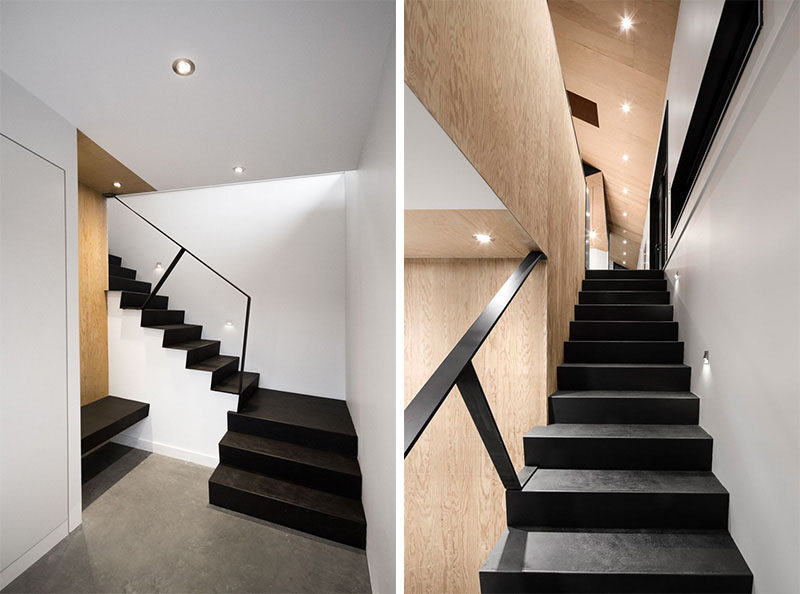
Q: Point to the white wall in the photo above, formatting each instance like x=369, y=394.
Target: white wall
x=280, y=241
x=738, y=296
x=598, y=259
x=40, y=407
x=371, y=333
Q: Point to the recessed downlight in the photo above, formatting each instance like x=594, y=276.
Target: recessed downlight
x=624, y=214
x=238, y=170
x=483, y=237
x=117, y=185
x=624, y=190
x=592, y=234
x=624, y=262
x=626, y=23
x=625, y=157
x=183, y=67
x=626, y=108
x=624, y=253
x=625, y=241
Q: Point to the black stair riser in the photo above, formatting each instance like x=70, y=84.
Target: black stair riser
x=623, y=312
x=617, y=510
x=511, y=581
x=592, y=330
x=618, y=453
x=130, y=300
x=684, y=411
x=176, y=335
x=623, y=352
x=220, y=374
x=159, y=317
x=273, y=510
x=116, y=283
x=323, y=479
x=654, y=297
x=620, y=274
x=624, y=285
x=114, y=260
x=121, y=272
x=677, y=379
x=324, y=440
x=202, y=353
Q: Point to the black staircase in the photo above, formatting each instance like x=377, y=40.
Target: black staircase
x=287, y=458
x=620, y=495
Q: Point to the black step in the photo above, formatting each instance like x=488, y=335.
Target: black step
x=569, y=498
x=104, y=418
x=177, y=333
x=197, y=350
x=133, y=300
x=121, y=272
x=624, y=285
x=116, y=283
x=617, y=407
x=623, y=351
x=230, y=383
x=621, y=447
x=317, y=512
x=114, y=260
x=623, y=312
x=623, y=297
x=618, y=274
x=322, y=423
x=220, y=366
x=619, y=330
x=318, y=469
x=624, y=376
x=615, y=561
x=161, y=317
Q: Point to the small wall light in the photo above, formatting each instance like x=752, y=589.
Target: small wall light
x=159, y=266
x=117, y=185
x=705, y=358
x=677, y=276
x=483, y=237
x=229, y=324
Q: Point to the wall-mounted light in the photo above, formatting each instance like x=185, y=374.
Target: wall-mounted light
x=117, y=185
x=229, y=324
x=238, y=170
x=588, y=214
x=705, y=358
x=483, y=237
x=676, y=276
x=159, y=266
x=183, y=67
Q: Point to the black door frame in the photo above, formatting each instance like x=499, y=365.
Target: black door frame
x=658, y=201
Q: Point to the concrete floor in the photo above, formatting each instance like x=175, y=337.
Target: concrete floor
x=148, y=527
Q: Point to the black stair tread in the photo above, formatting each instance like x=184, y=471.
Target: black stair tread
x=602, y=551
x=624, y=365
x=104, y=418
x=213, y=363
x=313, y=412
x=290, y=451
x=624, y=481
x=174, y=326
x=231, y=383
x=161, y=311
x=190, y=344
x=346, y=508
x=623, y=394
x=613, y=431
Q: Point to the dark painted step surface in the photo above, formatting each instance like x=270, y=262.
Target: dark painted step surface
x=133, y=300
x=197, y=350
x=618, y=274
x=319, y=469
x=623, y=351
x=623, y=297
x=322, y=423
x=116, y=283
x=220, y=366
x=161, y=317
x=623, y=312
x=615, y=561
x=624, y=376
x=311, y=510
x=103, y=419
x=114, y=260
x=178, y=333
x=619, y=499
x=121, y=272
x=617, y=407
x=624, y=285
x=230, y=383
x=618, y=446
x=618, y=330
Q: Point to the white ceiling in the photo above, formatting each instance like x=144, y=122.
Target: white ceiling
x=282, y=87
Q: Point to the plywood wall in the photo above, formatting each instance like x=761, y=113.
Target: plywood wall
x=92, y=284
x=454, y=501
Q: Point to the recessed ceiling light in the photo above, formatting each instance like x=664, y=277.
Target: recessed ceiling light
x=592, y=234
x=624, y=241
x=183, y=67
x=117, y=185
x=624, y=214
x=625, y=157
x=626, y=23
x=624, y=253
x=588, y=214
x=238, y=169
x=483, y=237
x=624, y=262
x=626, y=108
x=624, y=190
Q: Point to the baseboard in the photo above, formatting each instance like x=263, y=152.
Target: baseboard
x=167, y=450
x=32, y=555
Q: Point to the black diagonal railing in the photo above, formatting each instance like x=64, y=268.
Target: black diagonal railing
x=457, y=370
x=181, y=251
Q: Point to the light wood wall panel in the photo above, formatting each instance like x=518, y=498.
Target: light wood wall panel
x=597, y=199
x=92, y=284
x=454, y=501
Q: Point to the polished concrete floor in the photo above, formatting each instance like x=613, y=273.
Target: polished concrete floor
x=148, y=527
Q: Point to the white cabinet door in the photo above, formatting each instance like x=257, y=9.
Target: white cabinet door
x=33, y=351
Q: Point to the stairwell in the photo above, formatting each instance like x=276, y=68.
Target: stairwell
x=621, y=497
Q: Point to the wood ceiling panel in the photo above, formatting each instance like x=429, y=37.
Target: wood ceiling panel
x=99, y=170
x=611, y=67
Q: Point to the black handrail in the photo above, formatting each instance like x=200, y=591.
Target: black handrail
x=457, y=369
x=184, y=250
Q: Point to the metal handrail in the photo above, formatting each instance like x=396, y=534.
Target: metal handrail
x=457, y=369
x=184, y=250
